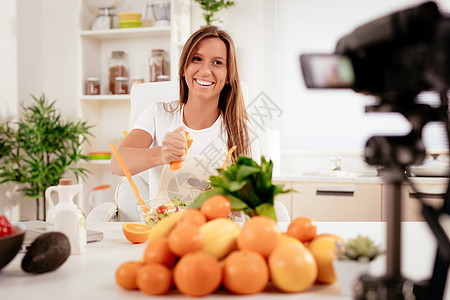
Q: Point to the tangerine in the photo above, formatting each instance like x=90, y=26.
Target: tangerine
x=292, y=268
x=154, y=279
x=136, y=233
x=185, y=239
x=197, y=274
x=217, y=206
x=336, y=237
x=324, y=250
x=192, y=216
x=157, y=251
x=302, y=228
x=126, y=274
x=260, y=234
x=284, y=238
x=245, y=272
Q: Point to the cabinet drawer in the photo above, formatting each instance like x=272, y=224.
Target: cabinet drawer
x=411, y=207
x=337, y=202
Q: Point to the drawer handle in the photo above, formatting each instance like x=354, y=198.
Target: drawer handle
x=347, y=191
x=426, y=195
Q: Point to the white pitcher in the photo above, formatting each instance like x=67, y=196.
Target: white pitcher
x=65, y=216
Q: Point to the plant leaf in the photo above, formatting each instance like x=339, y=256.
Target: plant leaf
x=267, y=210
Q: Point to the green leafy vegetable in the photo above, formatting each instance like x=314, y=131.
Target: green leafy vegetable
x=247, y=185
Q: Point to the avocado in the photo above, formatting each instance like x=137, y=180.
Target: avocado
x=47, y=253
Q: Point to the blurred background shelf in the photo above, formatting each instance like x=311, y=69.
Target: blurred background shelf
x=105, y=97
x=124, y=33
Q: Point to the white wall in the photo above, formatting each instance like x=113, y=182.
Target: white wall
x=38, y=54
x=8, y=59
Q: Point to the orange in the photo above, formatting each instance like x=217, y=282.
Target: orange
x=260, y=234
x=292, y=268
x=217, y=206
x=154, y=279
x=284, y=238
x=338, y=238
x=136, y=233
x=245, y=272
x=126, y=274
x=157, y=251
x=185, y=239
x=302, y=228
x=192, y=216
x=324, y=251
x=197, y=274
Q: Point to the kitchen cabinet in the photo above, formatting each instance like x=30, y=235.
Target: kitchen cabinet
x=108, y=113
x=363, y=199
x=411, y=208
x=334, y=201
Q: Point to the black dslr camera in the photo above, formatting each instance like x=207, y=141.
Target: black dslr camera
x=395, y=58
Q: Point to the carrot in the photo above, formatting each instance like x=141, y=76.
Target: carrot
x=230, y=152
x=175, y=165
x=128, y=175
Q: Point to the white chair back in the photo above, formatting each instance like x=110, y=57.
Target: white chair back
x=145, y=93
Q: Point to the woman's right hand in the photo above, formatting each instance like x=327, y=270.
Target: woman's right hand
x=174, y=146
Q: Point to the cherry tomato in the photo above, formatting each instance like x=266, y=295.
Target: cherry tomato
x=5, y=226
x=161, y=209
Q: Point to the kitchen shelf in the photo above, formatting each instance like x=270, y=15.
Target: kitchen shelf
x=107, y=113
x=99, y=162
x=105, y=97
x=121, y=33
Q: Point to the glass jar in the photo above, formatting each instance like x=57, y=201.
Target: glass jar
x=93, y=86
x=158, y=64
x=121, y=85
x=118, y=67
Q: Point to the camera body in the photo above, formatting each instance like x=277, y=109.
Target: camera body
x=390, y=56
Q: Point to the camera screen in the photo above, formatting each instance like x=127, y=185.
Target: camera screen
x=327, y=71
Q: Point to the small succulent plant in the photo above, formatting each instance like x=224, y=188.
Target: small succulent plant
x=360, y=249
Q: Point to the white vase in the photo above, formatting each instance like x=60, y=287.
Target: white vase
x=348, y=272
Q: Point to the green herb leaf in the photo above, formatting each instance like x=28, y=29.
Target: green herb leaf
x=248, y=186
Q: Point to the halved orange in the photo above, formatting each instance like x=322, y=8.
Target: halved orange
x=136, y=233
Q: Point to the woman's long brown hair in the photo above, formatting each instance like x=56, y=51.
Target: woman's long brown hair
x=231, y=100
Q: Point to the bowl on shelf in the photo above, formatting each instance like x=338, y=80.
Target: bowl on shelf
x=11, y=244
x=130, y=24
x=130, y=20
x=130, y=16
x=99, y=155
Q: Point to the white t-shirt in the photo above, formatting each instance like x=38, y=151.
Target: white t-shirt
x=209, y=143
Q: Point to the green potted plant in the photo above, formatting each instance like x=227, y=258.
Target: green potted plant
x=354, y=258
x=38, y=149
x=211, y=7
x=247, y=185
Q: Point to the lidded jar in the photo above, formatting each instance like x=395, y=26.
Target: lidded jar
x=92, y=86
x=158, y=64
x=118, y=67
x=121, y=85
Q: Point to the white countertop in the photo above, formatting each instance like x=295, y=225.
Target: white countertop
x=352, y=178
x=92, y=275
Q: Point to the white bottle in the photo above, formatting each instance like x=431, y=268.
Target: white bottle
x=65, y=216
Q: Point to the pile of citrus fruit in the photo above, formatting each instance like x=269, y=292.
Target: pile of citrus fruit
x=197, y=251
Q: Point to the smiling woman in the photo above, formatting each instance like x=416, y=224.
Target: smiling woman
x=210, y=108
